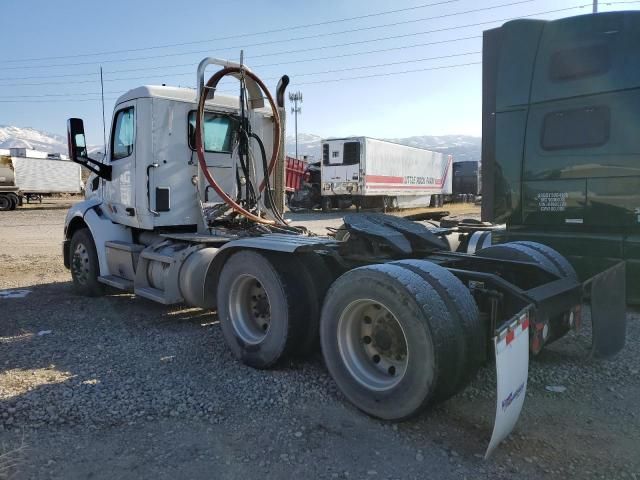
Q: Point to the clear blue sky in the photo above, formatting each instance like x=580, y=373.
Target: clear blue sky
x=442, y=101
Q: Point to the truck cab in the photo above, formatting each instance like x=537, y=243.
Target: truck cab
x=560, y=146
x=155, y=182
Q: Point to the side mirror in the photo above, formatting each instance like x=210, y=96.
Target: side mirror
x=76, y=140
x=78, y=149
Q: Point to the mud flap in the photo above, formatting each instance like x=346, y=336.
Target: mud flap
x=512, y=370
x=608, y=311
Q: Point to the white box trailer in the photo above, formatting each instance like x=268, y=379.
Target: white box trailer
x=374, y=173
x=47, y=175
x=27, y=177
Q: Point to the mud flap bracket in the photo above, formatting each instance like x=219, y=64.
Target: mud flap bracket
x=608, y=310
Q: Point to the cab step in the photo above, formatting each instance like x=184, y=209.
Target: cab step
x=116, y=282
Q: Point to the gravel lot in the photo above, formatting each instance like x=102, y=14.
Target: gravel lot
x=119, y=387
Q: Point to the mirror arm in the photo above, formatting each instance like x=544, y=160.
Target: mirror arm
x=100, y=169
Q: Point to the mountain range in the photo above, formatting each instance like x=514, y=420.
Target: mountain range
x=462, y=147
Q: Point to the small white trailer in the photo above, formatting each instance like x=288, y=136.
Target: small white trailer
x=374, y=173
x=31, y=177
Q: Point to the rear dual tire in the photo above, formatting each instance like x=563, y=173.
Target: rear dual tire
x=269, y=305
x=393, y=342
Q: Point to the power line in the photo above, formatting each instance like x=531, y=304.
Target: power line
x=308, y=37
x=58, y=100
x=263, y=32
x=359, y=77
x=405, y=35
x=389, y=74
x=383, y=64
x=294, y=75
x=305, y=60
x=315, y=48
x=393, y=37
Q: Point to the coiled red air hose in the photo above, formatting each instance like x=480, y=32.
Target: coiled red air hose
x=211, y=85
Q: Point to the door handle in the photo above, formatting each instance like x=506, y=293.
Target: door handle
x=153, y=212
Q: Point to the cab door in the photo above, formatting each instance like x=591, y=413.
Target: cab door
x=120, y=192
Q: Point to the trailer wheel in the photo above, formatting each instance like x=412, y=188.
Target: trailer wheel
x=259, y=309
x=326, y=204
x=561, y=263
x=387, y=340
x=518, y=251
x=85, y=268
x=545, y=256
x=5, y=203
x=14, y=201
x=466, y=320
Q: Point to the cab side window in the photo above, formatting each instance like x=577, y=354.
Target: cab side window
x=219, y=132
x=123, y=137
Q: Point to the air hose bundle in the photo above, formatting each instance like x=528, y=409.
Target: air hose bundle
x=245, y=135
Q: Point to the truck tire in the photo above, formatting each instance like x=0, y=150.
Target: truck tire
x=561, y=263
x=15, y=201
x=5, y=203
x=517, y=251
x=84, y=265
x=545, y=256
x=259, y=309
x=465, y=317
x=387, y=340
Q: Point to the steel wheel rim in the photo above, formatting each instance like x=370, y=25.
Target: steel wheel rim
x=249, y=309
x=373, y=345
x=80, y=263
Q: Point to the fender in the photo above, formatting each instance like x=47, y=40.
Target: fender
x=101, y=227
x=77, y=211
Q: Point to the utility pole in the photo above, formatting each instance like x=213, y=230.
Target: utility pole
x=295, y=110
x=595, y=6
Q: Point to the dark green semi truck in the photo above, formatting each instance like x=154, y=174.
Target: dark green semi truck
x=561, y=138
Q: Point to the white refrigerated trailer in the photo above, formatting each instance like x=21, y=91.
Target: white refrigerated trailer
x=31, y=177
x=377, y=173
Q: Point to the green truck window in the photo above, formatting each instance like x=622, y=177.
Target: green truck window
x=579, y=128
x=576, y=63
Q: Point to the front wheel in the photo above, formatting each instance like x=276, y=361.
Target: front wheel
x=85, y=268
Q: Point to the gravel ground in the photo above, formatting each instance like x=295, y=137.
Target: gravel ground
x=119, y=387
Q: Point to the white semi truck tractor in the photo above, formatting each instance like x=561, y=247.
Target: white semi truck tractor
x=181, y=211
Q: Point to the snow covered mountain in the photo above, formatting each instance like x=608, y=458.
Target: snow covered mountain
x=18, y=137
x=462, y=147
x=27, y=137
